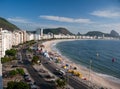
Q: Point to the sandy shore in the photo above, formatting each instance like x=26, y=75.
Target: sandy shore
x=96, y=78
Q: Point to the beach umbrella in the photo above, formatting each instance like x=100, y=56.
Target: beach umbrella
x=70, y=71
x=75, y=68
x=67, y=65
x=59, y=58
x=64, y=67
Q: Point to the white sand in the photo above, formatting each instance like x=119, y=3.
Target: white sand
x=98, y=79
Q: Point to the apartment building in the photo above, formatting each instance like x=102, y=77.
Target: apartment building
x=30, y=36
x=16, y=38
x=5, y=41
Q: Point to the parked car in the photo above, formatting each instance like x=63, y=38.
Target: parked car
x=33, y=86
x=13, y=66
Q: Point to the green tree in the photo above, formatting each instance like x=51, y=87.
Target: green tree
x=60, y=83
x=35, y=59
x=13, y=72
x=5, y=59
x=17, y=85
x=20, y=71
x=10, y=85
x=21, y=85
x=17, y=71
x=29, y=49
x=11, y=52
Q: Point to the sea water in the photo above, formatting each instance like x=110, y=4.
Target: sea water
x=105, y=55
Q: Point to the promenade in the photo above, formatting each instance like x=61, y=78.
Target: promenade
x=1, y=81
x=50, y=67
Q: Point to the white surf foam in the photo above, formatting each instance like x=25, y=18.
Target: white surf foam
x=108, y=77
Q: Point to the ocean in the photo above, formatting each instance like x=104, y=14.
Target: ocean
x=104, y=54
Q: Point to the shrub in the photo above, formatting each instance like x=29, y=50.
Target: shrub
x=35, y=59
x=17, y=71
x=20, y=71
x=13, y=72
x=61, y=82
x=17, y=85
x=5, y=59
x=11, y=52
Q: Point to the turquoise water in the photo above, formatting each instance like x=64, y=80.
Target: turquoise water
x=101, y=52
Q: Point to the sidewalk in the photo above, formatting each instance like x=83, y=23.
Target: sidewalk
x=1, y=80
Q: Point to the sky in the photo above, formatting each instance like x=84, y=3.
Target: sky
x=75, y=15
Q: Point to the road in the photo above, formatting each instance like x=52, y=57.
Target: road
x=34, y=74
x=76, y=84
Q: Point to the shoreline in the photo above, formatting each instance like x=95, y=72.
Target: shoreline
x=96, y=78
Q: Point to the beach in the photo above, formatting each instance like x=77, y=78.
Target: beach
x=96, y=78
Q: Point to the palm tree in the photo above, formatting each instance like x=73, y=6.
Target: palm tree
x=61, y=83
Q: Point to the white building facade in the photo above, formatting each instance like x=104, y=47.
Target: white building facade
x=6, y=41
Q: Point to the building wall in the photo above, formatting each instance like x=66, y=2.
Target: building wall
x=24, y=36
x=0, y=44
x=6, y=42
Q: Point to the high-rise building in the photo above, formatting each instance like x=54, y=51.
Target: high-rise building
x=1, y=84
x=39, y=34
x=0, y=43
x=24, y=36
x=5, y=41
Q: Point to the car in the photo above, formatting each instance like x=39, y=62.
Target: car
x=31, y=83
x=13, y=66
x=28, y=80
x=26, y=76
x=33, y=86
x=62, y=72
x=20, y=61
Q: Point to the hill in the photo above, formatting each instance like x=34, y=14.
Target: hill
x=94, y=33
x=7, y=25
x=98, y=33
x=57, y=31
x=114, y=33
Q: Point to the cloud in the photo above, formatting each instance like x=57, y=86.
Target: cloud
x=18, y=20
x=104, y=27
x=82, y=28
x=65, y=19
x=111, y=26
x=106, y=14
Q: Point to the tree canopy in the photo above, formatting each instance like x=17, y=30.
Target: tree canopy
x=35, y=59
x=11, y=52
x=61, y=83
x=17, y=71
x=17, y=85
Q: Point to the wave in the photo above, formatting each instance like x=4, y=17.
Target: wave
x=84, y=52
x=55, y=49
x=111, y=78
